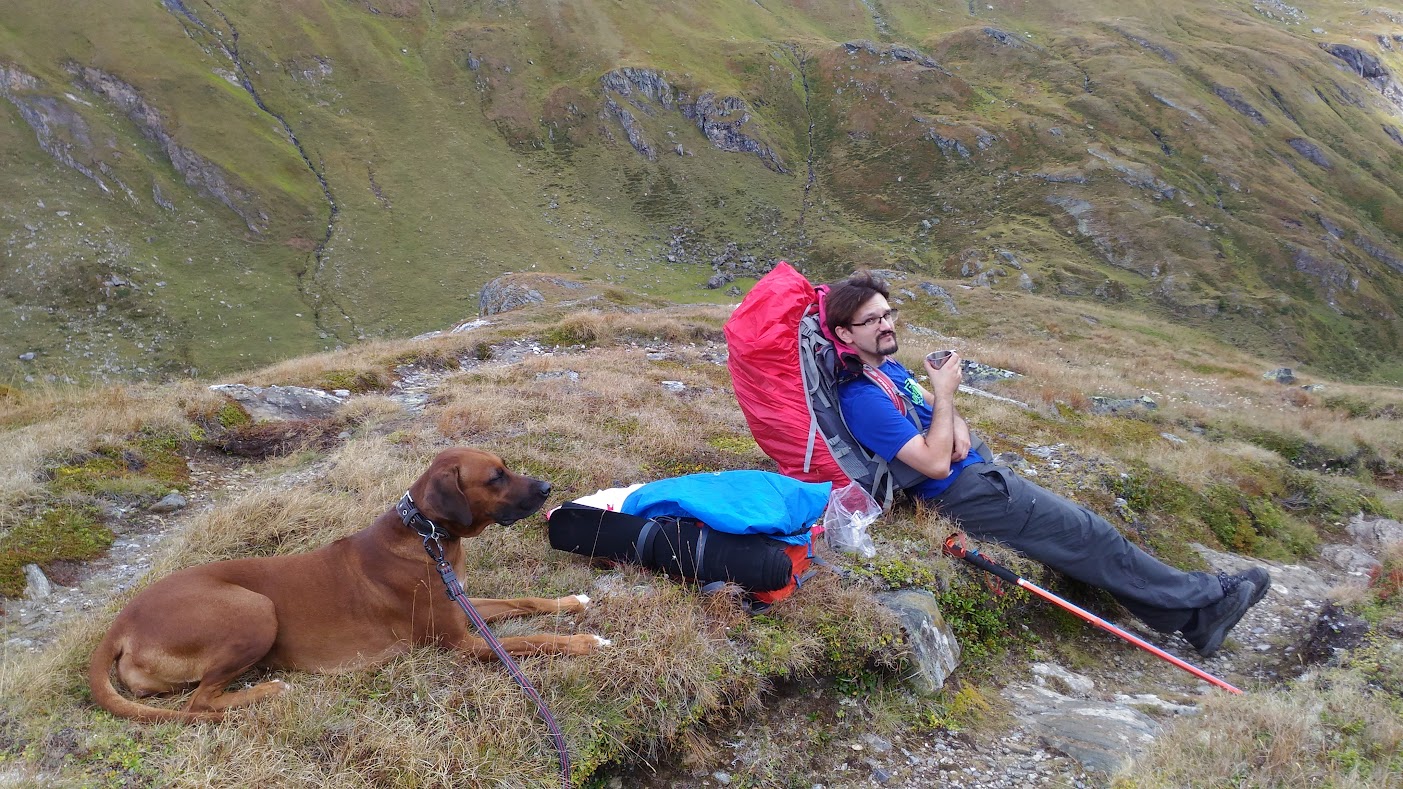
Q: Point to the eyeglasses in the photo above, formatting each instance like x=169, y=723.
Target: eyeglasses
x=889, y=316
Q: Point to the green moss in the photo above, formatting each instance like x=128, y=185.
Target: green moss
x=63, y=532
x=231, y=414
x=147, y=467
x=741, y=445
x=356, y=381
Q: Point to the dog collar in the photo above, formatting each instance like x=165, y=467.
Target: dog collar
x=414, y=519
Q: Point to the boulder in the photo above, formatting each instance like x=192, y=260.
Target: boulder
x=276, y=403
x=934, y=651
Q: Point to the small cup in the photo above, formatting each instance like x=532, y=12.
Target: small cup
x=938, y=358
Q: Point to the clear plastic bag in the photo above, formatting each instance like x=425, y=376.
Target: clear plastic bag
x=850, y=511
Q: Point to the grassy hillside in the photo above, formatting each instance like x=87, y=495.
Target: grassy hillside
x=574, y=396
x=220, y=185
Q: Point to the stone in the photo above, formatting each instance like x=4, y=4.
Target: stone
x=275, y=403
x=169, y=503
x=935, y=653
x=36, y=584
x=1372, y=531
x=1282, y=375
x=1104, y=737
x=1063, y=680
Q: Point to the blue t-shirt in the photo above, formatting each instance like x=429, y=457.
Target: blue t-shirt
x=875, y=421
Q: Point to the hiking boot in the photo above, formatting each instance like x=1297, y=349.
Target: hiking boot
x=1259, y=577
x=1212, y=622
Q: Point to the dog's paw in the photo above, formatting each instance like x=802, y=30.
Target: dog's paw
x=584, y=643
x=583, y=600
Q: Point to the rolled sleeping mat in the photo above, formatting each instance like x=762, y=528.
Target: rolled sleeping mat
x=675, y=545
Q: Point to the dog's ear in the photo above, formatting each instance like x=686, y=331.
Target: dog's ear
x=441, y=497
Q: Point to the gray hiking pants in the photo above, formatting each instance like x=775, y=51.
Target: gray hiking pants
x=993, y=503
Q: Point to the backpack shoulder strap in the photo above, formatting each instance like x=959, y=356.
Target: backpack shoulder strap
x=898, y=398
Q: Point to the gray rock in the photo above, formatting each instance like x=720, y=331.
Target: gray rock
x=1062, y=680
x=28, y=356
x=502, y=295
x=37, y=585
x=1350, y=559
x=932, y=289
x=1282, y=375
x=1311, y=151
x=1111, y=405
x=674, y=386
x=169, y=503
x=274, y=403
x=977, y=373
x=935, y=653
x=1374, y=532
x=1103, y=736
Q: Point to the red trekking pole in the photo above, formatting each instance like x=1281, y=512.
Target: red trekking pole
x=955, y=546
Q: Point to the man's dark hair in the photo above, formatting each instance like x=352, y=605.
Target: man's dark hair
x=847, y=296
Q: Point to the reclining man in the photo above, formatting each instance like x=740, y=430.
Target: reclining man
x=993, y=503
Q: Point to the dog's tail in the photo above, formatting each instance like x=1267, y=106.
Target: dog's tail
x=107, y=697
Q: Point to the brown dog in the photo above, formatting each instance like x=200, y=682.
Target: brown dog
x=347, y=605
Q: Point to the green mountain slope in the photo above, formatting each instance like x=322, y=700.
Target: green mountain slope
x=210, y=186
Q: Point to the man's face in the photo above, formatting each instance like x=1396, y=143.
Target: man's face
x=873, y=327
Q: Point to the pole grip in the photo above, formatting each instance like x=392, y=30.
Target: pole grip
x=974, y=558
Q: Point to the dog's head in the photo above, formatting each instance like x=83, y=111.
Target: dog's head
x=465, y=490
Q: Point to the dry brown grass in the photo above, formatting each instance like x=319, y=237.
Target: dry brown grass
x=592, y=413
x=1327, y=729
x=40, y=424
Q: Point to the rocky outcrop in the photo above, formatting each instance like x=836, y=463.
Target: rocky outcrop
x=1146, y=44
x=199, y=173
x=279, y=403
x=934, y=652
x=58, y=127
x=723, y=120
x=1378, y=252
x=1370, y=69
x=1331, y=275
x=1235, y=100
x=1003, y=37
x=899, y=52
x=503, y=295
x=1311, y=151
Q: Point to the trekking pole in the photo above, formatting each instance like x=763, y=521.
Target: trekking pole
x=955, y=546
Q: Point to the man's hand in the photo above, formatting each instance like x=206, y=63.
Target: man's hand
x=947, y=379
x=962, y=439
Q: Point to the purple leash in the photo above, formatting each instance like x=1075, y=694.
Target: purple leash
x=431, y=533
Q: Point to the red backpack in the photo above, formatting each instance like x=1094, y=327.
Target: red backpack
x=785, y=371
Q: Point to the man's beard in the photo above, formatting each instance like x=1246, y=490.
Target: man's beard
x=882, y=347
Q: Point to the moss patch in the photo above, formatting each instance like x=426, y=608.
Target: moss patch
x=62, y=532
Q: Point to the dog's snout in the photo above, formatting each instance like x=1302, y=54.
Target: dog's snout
x=542, y=488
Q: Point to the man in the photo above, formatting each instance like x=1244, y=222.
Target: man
x=993, y=503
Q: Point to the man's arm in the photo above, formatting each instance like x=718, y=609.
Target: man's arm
x=960, y=450
x=932, y=453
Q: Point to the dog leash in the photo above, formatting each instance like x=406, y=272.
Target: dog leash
x=432, y=534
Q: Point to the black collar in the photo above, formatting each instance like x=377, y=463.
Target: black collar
x=414, y=519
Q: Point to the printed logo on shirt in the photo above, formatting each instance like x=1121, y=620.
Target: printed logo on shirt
x=913, y=389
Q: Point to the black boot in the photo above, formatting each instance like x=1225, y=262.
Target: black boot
x=1211, y=623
